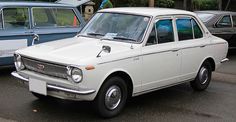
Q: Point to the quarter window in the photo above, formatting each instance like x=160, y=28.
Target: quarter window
x=54, y=17
x=196, y=29
x=234, y=20
x=184, y=27
x=164, y=30
x=224, y=22
x=16, y=18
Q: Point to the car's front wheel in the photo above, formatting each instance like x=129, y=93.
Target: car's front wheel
x=203, y=78
x=111, y=98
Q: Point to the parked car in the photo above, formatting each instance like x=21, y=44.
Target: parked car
x=122, y=53
x=221, y=24
x=23, y=24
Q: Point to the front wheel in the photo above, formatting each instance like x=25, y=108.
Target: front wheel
x=203, y=78
x=111, y=98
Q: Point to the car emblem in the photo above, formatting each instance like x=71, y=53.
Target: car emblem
x=40, y=67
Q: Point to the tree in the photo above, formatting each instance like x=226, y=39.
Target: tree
x=151, y=3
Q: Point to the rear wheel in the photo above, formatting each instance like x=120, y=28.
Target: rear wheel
x=203, y=78
x=111, y=98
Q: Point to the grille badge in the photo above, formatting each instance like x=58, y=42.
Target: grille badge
x=40, y=66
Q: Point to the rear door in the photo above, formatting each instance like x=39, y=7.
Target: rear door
x=14, y=32
x=53, y=23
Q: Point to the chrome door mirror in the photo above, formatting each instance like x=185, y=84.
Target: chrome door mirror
x=35, y=38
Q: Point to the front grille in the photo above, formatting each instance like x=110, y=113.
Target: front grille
x=45, y=68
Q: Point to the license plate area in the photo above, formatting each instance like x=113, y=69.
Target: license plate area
x=38, y=86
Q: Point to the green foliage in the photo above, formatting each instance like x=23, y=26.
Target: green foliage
x=165, y=3
x=205, y=4
x=137, y=3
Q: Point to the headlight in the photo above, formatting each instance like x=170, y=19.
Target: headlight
x=18, y=62
x=75, y=74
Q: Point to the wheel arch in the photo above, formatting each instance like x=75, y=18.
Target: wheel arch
x=211, y=61
x=125, y=76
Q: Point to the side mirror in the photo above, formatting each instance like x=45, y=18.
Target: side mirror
x=106, y=49
x=35, y=38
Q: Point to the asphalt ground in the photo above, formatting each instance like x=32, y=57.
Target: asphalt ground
x=178, y=103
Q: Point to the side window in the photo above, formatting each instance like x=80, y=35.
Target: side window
x=164, y=29
x=224, y=22
x=54, y=17
x=16, y=18
x=184, y=28
x=152, y=37
x=0, y=19
x=234, y=20
x=196, y=29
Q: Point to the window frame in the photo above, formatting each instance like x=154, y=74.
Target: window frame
x=1, y=18
x=29, y=17
x=197, y=22
x=49, y=27
x=222, y=16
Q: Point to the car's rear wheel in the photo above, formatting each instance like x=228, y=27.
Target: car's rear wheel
x=203, y=78
x=111, y=98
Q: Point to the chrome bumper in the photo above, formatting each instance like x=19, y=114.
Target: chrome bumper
x=58, y=88
x=224, y=60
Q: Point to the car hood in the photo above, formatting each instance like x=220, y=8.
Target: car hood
x=77, y=50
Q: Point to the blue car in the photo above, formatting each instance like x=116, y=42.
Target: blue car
x=24, y=24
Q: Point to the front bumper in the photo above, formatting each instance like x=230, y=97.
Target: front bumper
x=58, y=91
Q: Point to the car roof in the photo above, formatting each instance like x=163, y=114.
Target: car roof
x=148, y=11
x=39, y=4
x=216, y=12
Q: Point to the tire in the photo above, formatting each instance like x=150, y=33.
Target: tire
x=203, y=78
x=40, y=97
x=115, y=87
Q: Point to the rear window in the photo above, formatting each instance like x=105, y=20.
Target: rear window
x=16, y=18
x=205, y=17
x=54, y=17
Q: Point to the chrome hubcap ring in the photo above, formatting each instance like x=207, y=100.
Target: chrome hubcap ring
x=113, y=97
x=203, y=75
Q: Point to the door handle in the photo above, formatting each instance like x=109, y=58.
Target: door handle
x=35, y=38
x=202, y=46
x=175, y=50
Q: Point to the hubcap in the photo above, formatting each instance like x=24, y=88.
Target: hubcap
x=203, y=75
x=113, y=97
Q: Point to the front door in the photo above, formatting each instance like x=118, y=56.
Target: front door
x=161, y=58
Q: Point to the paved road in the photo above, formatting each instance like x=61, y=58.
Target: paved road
x=178, y=103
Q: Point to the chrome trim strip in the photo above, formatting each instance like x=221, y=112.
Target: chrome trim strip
x=15, y=74
x=162, y=87
x=224, y=60
x=84, y=92
x=70, y=90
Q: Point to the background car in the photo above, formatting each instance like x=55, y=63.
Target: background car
x=23, y=22
x=221, y=24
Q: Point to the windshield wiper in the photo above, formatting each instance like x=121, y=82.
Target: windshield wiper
x=124, y=38
x=95, y=34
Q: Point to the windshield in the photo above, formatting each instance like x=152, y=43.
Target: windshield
x=117, y=27
x=205, y=17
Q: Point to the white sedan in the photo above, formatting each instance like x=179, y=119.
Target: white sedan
x=121, y=53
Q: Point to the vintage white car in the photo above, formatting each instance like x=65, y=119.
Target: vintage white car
x=121, y=53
